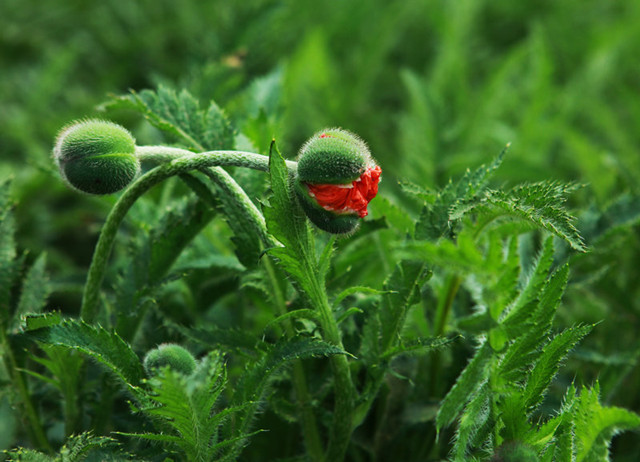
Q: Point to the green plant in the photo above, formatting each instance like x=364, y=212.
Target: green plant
x=389, y=310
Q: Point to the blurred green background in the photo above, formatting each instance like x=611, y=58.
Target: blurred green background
x=434, y=87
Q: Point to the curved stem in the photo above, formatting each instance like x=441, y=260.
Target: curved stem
x=179, y=161
x=164, y=154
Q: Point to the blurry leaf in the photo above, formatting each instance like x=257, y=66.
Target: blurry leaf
x=419, y=345
x=38, y=321
x=8, y=267
x=35, y=288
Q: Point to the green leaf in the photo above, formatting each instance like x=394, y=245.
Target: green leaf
x=217, y=337
x=539, y=203
x=105, y=347
x=519, y=311
x=180, y=115
x=8, y=265
x=38, y=321
x=419, y=345
x=468, y=383
x=187, y=406
x=403, y=289
x=256, y=378
x=437, y=219
x=532, y=324
x=35, y=288
x=474, y=416
x=358, y=290
x=548, y=364
x=242, y=216
x=287, y=223
x=596, y=425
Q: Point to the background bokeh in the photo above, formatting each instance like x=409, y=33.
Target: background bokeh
x=434, y=87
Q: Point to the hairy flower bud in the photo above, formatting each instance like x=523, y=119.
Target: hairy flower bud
x=169, y=355
x=96, y=156
x=336, y=180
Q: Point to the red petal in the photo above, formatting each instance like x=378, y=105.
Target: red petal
x=354, y=199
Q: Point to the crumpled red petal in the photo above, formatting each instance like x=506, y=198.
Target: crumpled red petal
x=353, y=198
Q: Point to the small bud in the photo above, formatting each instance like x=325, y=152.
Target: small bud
x=96, y=156
x=169, y=355
x=515, y=451
x=337, y=178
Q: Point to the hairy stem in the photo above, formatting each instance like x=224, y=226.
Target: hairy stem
x=342, y=425
x=178, y=161
x=308, y=419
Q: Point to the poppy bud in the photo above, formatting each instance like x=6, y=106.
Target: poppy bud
x=337, y=178
x=169, y=355
x=96, y=156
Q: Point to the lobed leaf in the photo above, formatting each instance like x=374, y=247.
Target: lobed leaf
x=106, y=347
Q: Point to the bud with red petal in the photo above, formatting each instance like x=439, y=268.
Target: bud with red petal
x=336, y=180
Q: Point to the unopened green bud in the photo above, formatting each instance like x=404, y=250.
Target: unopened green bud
x=336, y=179
x=169, y=355
x=96, y=156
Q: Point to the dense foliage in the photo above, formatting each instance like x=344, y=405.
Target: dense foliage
x=486, y=308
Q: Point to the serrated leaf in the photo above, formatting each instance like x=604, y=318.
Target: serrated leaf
x=187, y=405
x=105, y=347
x=594, y=425
x=287, y=223
x=548, y=364
x=470, y=380
x=359, y=290
x=438, y=218
x=180, y=115
x=474, y=416
x=419, y=345
x=256, y=378
x=402, y=291
x=539, y=203
x=242, y=216
x=78, y=447
x=38, y=321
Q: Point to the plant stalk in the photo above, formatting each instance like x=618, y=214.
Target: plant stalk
x=178, y=161
x=310, y=431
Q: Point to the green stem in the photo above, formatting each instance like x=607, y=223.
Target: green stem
x=35, y=427
x=309, y=425
x=440, y=323
x=178, y=161
x=445, y=304
x=165, y=154
x=342, y=425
